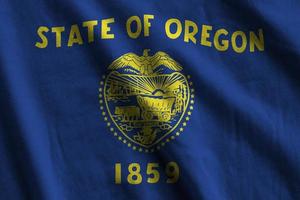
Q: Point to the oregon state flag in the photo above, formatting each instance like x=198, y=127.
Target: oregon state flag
x=149, y=99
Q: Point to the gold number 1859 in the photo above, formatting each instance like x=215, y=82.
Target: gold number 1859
x=135, y=177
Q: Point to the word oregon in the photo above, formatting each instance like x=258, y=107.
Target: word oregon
x=186, y=30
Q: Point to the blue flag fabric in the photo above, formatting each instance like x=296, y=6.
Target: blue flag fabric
x=150, y=99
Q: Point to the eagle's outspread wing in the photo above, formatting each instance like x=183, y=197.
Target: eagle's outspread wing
x=161, y=58
x=127, y=60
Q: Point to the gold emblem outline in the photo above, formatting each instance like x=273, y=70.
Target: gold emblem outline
x=167, y=137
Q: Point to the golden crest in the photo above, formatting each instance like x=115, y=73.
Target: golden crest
x=146, y=101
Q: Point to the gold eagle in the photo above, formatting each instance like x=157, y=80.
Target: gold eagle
x=145, y=64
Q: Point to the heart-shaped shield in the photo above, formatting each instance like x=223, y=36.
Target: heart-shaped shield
x=146, y=99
